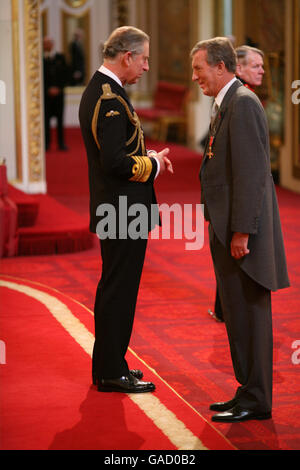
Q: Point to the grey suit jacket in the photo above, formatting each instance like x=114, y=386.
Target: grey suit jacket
x=237, y=187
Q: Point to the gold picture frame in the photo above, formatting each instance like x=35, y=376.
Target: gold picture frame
x=76, y=3
x=69, y=24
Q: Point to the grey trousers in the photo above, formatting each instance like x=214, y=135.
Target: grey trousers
x=247, y=314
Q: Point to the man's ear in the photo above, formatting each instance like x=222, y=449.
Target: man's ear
x=127, y=57
x=238, y=69
x=221, y=68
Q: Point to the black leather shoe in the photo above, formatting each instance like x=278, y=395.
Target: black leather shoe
x=238, y=414
x=137, y=373
x=125, y=384
x=223, y=405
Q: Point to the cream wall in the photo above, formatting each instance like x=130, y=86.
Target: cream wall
x=22, y=117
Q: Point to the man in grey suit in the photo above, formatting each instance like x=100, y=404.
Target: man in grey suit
x=246, y=243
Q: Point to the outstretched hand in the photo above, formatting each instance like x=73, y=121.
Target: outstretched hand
x=165, y=163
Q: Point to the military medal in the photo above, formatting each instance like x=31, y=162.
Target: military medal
x=210, y=153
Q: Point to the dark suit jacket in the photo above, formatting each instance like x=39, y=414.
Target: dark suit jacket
x=55, y=72
x=115, y=147
x=238, y=190
x=77, y=62
x=55, y=75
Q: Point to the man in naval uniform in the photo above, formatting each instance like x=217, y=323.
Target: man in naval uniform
x=246, y=243
x=119, y=172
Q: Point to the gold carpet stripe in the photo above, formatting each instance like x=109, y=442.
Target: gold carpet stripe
x=180, y=436
x=175, y=430
x=60, y=312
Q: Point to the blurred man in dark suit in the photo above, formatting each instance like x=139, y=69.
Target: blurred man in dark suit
x=77, y=59
x=55, y=79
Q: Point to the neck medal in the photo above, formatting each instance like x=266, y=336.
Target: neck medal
x=210, y=153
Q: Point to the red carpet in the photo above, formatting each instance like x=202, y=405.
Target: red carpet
x=57, y=230
x=173, y=334
x=50, y=406
x=45, y=225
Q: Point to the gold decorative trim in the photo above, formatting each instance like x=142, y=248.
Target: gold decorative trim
x=17, y=87
x=141, y=169
x=133, y=117
x=94, y=122
x=76, y=3
x=33, y=85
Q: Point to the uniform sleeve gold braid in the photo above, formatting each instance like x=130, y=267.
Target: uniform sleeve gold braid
x=142, y=169
x=94, y=122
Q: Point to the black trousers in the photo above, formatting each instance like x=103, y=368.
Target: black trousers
x=218, y=306
x=246, y=307
x=122, y=265
x=54, y=107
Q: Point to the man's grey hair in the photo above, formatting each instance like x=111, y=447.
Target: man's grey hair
x=243, y=51
x=125, y=39
x=219, y=49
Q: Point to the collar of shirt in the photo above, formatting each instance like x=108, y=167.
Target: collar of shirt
x=222, y=93
x=110, y=74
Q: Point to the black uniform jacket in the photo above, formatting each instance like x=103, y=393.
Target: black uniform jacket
x=237, y=187
x=117, y=158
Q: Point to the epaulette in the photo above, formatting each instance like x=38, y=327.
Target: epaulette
x=142, y=167
x=109, y=95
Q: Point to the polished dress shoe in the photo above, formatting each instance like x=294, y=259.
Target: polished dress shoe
x=223, y=405
x=238, y=414
x=137, y=373
x=125, y=384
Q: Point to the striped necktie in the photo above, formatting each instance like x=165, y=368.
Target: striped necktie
x=214, y=113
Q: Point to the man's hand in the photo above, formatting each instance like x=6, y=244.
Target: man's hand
x=239, y=245
x=164, y=161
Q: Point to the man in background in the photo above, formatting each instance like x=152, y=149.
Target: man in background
x=77, y=55
x=250, y=66
x=55, y=79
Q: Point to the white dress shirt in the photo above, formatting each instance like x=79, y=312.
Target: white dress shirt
x=222, y=93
